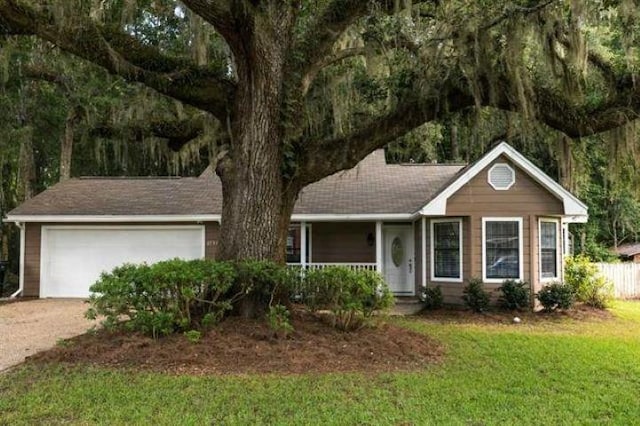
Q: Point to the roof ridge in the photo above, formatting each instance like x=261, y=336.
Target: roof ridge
x=429, y=164
x=132, y=177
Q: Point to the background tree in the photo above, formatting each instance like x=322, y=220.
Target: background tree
x=288, y=92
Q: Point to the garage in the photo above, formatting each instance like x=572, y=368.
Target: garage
x=72, y=257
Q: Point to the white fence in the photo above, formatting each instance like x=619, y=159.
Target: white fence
x=355, y=266
x=625, y=278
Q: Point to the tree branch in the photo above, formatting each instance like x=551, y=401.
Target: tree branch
x=177, y=133
x=322, y=158
x=123, y=55
x=578, y=121
x=215, y=12
x=318, y=41
x=40, y=73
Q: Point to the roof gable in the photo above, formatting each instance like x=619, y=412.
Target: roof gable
x=375, y=187
x=574, y=208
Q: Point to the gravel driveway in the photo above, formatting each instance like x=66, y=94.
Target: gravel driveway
x=32, y=326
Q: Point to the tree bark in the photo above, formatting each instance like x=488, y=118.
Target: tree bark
x=258, y=200
x=455, y=151
x=66, y=145
x=27, y=167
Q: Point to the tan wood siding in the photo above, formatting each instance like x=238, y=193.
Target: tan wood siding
x=32, y=249
x=342, y=242
x=211, y=233
x=525, y=197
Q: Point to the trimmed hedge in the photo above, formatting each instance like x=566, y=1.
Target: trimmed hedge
x=165, y=297
x=432, y=298
x=475, y=296
x=184, y=295
x=351, y=296
x=515, y=294
x=556, y=296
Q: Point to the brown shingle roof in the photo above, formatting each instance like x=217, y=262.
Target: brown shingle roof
x=376, y=187
x=371, y=187
x=120, y=196
x=628, y=249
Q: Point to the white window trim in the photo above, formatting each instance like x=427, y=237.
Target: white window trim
x=432, y=251
x=558, y=250
x=484, y=249
x=513, y=176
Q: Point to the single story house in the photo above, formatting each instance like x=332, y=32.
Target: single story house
x=419, y=225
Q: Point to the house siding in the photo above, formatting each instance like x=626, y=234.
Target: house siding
x=211, y=235
x=32, y=260
x=342, y=242
x=33, y=245
x=526, y=199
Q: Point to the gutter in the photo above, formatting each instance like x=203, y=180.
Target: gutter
x=22, y=228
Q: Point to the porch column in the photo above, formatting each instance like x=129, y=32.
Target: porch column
x=379, y=246
x=303, y=245
x=423, y=251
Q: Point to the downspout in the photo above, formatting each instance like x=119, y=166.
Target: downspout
x=21, y=226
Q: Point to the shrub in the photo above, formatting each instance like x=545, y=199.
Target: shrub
x=432, y=297
x=556, y=296
x=261, y=283
x=193, y=336
x=515, y=295
x=475, y=296
x=279, y=320
x=586, y=282
x=351, y=296
x=598, y=293
x=162, y=298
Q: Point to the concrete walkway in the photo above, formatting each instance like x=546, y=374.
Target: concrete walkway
x=403, y=308
x=31, y=326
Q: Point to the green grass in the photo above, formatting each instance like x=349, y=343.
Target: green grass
x=538, y=372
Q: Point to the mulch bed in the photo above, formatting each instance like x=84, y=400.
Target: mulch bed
x=579, y=312
x=239, y=346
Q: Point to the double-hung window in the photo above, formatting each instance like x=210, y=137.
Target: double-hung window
x=548, y=243
x=446, y=250
x=501, y=249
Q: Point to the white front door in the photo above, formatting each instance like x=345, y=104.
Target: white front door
x=398, y=259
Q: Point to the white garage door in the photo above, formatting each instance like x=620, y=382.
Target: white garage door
x=74, y=257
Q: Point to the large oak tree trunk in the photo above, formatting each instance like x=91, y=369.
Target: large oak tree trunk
x=258, y=201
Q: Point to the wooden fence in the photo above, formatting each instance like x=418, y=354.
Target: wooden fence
x=625, y=278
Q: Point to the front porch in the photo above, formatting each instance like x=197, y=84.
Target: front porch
x=388, y=248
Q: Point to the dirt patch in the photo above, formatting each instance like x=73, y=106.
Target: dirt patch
x=459, y=314
x=240, y=346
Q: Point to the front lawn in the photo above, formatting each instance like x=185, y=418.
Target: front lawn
x=542, y=371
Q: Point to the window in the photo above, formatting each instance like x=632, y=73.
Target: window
x=501, y=177
x=446, y=250
x=293, y=248
x=548, y=236
x=502, y=249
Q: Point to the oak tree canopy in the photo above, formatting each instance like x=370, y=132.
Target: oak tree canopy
x=291, y=91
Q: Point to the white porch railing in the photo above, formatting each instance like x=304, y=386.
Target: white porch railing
x=354, y=266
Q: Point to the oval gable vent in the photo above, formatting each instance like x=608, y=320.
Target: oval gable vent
x=501, y=177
